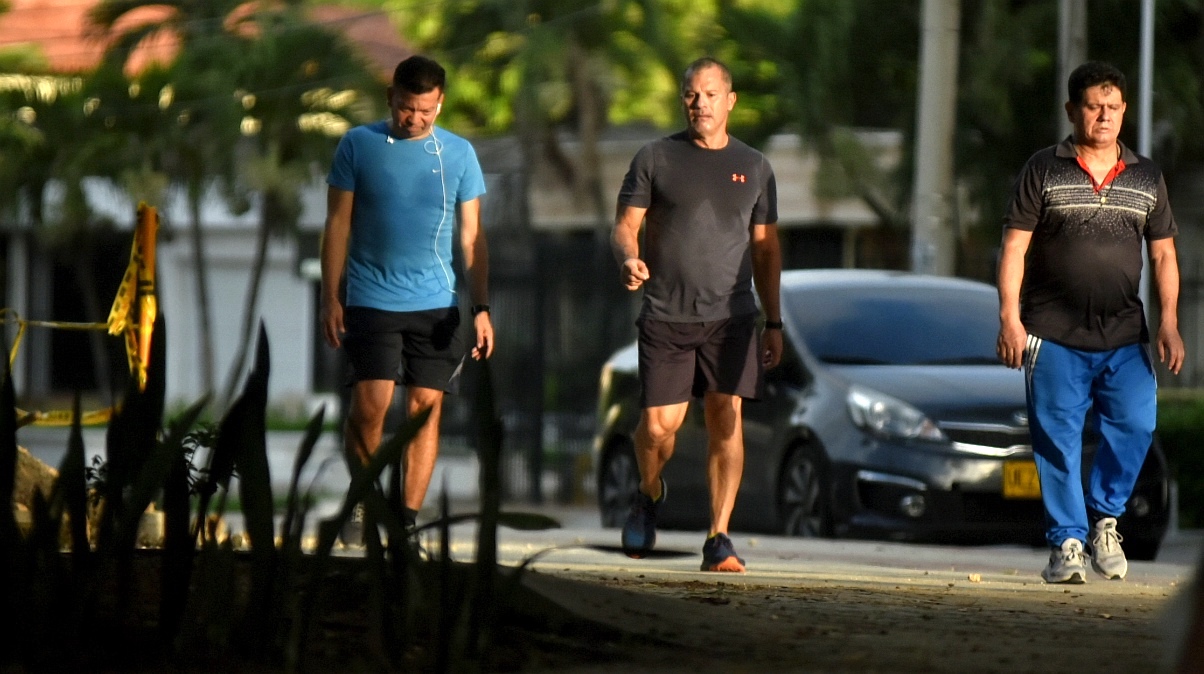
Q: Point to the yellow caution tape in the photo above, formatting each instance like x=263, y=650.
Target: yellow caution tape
x=136, y=293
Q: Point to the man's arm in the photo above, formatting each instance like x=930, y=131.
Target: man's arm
x=335, y=239
x=476, y=268
x=625, y=243
x=767, y=277
x=1165, y=263
x=1012, y=335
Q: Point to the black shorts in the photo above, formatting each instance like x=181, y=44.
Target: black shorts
x=683, y=360
x=427, y=344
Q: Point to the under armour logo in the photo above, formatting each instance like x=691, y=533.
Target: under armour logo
x=738, y=178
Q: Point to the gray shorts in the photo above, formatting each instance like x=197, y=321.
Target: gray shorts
x=414, y=348
x=683, y=360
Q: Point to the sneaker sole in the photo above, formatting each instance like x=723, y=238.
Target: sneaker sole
x=729, y=565
x=1075, y=578
x=1114, y=576
x=637, y=551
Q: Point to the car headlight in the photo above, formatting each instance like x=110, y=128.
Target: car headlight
x=883, y=415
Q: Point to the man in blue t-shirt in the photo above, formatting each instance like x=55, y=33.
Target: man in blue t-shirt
x=396, y=188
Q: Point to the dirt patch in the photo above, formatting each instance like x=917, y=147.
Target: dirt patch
x=737, y=626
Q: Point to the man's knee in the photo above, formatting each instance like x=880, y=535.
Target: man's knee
x=420, y=400
x=661, y=423
x=723, y=416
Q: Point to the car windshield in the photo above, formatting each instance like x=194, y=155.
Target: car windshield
x=897, y=325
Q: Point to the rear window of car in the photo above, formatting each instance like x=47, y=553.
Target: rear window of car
x=897, y=325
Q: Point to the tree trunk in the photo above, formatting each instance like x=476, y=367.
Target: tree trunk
x=250, y=305
x=201, y=280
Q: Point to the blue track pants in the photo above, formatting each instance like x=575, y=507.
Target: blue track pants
x=1063, y=384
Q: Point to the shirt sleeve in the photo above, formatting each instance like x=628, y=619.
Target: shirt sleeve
x=472, y=180
x=1024, y=209
x=342, y=168
x=1161, y=222
x=637, y=184
x=765, y=211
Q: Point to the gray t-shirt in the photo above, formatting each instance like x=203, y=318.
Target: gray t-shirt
x=701, y=204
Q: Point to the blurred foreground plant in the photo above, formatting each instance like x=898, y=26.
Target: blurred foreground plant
x=200, y=602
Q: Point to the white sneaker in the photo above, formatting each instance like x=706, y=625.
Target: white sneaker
x=1107, y=558
x=1066, y=563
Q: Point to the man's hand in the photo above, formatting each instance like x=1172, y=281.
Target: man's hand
x=1011, y=343
x=483, y=328
x=332, y=322
x=771, y=348
x=633, y=273
x=1170, y=349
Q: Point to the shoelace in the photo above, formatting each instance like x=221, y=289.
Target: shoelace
x=1107, y=540
x=1071, y=555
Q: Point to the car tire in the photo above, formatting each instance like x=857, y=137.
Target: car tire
x=618, y=480
x=803, y=492
x=1141, y=549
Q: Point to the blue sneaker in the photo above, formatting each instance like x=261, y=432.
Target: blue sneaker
x=718, y=554
x=639, y=533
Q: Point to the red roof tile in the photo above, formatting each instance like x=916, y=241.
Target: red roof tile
x=61, y=31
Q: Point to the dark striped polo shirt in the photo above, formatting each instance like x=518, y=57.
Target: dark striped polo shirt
x=1083, y=270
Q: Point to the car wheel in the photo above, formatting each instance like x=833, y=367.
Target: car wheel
x=803, y=507
x=618, y=480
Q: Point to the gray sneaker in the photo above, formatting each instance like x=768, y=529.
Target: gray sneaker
x=352, y=533
x=1107, y=558
x=1066, y=563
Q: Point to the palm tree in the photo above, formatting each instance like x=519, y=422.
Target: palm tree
x=308, y=83
x=199, y=148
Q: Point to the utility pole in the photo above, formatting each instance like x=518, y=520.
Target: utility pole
x=933, y=243
x=1072, y=51
x=1145, y=119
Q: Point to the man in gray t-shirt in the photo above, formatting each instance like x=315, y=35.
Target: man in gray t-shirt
x=708, y=206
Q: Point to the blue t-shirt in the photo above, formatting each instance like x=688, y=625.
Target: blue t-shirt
x=399, y=257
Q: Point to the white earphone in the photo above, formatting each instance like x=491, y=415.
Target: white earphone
x=435, y=146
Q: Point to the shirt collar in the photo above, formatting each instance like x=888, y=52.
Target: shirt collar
x=1065, y=150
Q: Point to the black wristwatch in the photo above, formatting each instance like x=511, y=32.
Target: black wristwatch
x=478, y=308
x=773, y=325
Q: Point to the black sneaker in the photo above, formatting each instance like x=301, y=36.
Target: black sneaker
x=718, y=554
x=352, y=533
x=639, y=533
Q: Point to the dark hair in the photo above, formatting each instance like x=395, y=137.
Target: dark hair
x=1091, y=74
x=419, y=75
x=703, y=63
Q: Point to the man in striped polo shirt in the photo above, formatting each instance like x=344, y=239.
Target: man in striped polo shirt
x=1071, y=315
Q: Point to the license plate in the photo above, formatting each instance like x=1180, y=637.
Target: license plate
x=1020, y=480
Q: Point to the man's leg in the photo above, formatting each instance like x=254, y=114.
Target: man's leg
x=655, y=439
x=725, y=456
x=1126, y=412
x=730, y=366
x=424, y=448
x=370, y=400
x=655, y=436
x=1059, y=394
